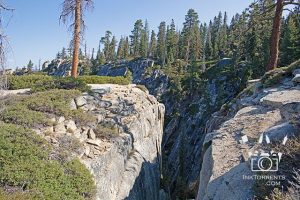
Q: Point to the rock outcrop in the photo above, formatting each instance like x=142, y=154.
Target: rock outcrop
x=226, y=156
x=62, y=67
x=130, y=167
x=123, y=148
x=185, y=124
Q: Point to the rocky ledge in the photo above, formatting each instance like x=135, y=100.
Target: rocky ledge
x=122, y=149
x=233, y=133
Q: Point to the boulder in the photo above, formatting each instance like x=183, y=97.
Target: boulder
x=296, y=71
x=87, y=150
x=277, y=133
x=94, y=142
x=80, y=101
x=60, y=128
x=73, y=105
x=91, y=134
x=281, y=97
x=296, y=79
x=88, y=107
x=70, y=125
x=61, y=120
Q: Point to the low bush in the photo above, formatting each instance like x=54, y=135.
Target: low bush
x=275, y=76
x=106, y=130
x=39, y=82
x=68, y=83
x=21, y=115
x=34, y=110
x=105, y=79
x=17, y=194
x=25, y=163
x=26, y=81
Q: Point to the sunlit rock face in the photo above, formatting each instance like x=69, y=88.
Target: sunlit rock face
x=271, y=113
x=125, y=162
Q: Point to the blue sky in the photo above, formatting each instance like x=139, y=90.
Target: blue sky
x=35, y=33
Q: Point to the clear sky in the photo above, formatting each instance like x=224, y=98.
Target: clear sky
x=35, y=33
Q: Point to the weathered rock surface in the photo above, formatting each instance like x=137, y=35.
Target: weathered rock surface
x=297, y=78
x=225, y=155
x=13, y=92
x=62, y=67
x=130, y=168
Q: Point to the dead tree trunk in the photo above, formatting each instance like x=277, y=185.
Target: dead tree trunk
x=77, y=30
x=274, y=47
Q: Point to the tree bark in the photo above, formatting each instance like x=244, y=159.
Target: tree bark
x=77, y=30
x=274, y=47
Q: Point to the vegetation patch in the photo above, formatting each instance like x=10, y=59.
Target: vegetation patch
x=25, y=164
x=275, y=76
x=39, y=82
x=143, y=88
x=68, y=83
x=105, y=79
x=35, y=109
x=106, y=130
x=26, y=81
x=193, y=109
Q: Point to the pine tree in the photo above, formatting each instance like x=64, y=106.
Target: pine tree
x=161, y=43
x=29, y=66
x=74, y=9
x=126, y=48
x=152, y=45
x=63, y=53
x=208, y=43
x=144, y=43
x=291, y=41
x=135, y=36
x=120, y=50
x=223, y=36
x=85, y=50
x=191, y=41
x=80, y=54
x=216, y=34
x=102, y=59
x=203, y=32
x=112, y=51
x=171, y=42
x=106, y=42
x=93, y=52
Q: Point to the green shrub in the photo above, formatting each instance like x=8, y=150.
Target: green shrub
x=68, y=83
x=25, y=163
x=33, y=110
x=82, y=118
x=39, y=82
x=16, y=194
x=19, y=114
x=105, y=80
x=52, y=101
x=106, y=130
x=26, y=81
